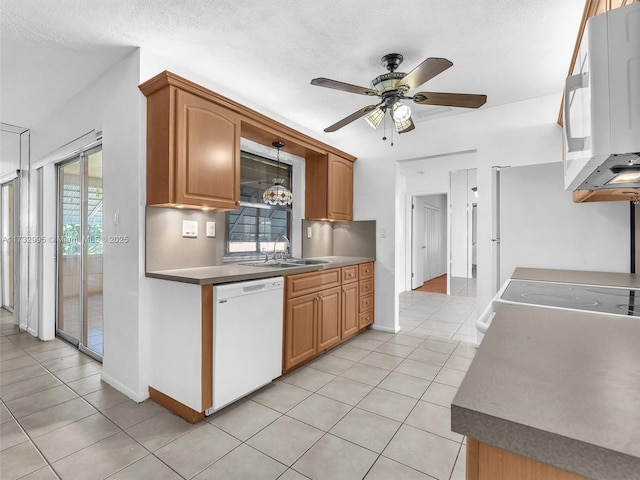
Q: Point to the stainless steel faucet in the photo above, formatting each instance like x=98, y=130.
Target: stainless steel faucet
x=274, y=254
x=285, y=254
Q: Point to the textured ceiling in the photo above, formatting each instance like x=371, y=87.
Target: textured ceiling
x=267, y=52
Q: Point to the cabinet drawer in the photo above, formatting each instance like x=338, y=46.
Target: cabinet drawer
x=366, y=270
x=365, y=319
x=303, y=283
x=349, y=274
x=366, y=302
x=366, y=286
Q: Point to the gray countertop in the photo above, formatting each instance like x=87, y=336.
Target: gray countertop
x=560, y=387
x=236, y=272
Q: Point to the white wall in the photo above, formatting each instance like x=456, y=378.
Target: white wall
x=113, y=104
x=521, y=133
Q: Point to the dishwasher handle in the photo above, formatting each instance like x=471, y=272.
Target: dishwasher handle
x=254, y=288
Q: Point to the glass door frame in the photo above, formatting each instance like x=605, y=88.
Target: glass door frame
x=81, y=157
x=13, y=240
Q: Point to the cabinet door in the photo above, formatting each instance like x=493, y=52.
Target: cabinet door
x=300, y=330
x=349, y=310
x=207, y=170
x=329, y=324
x=340, y=188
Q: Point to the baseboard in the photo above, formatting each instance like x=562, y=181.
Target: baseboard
x=136, y=397
x=384, y=329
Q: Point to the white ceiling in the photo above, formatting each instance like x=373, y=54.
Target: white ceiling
x=268, y=51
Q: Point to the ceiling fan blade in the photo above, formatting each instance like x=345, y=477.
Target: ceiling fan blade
x=347, y=120
x=466, y=100
x=423, y=73
x=345, y=87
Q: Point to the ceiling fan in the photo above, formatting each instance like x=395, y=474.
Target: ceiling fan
x=393, y=87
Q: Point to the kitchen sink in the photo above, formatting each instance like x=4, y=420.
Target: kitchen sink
x=305, y=261
x=271, y=264
x=290, y=262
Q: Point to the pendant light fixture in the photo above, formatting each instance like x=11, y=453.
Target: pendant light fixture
x=278, y=194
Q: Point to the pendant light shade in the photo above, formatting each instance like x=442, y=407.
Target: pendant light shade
x=278, y=194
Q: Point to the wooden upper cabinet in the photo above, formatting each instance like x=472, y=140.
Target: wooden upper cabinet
x=329, y=187
x=193, y=146
x=208, y=153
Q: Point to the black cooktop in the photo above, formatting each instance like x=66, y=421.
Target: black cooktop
x=609, y=300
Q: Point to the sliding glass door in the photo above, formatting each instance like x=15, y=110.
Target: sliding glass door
x=79, y=253
x=7, y=261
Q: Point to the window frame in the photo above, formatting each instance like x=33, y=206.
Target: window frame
x=260, y=208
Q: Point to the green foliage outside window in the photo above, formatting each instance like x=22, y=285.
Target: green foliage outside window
x=71, y=244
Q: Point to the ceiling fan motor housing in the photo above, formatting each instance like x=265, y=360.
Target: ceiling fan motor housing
x=391, y=61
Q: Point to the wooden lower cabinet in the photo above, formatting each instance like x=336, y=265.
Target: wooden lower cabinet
x=350, y=298
x=311, y=325
x=300, y=330
x=485, y=462
x=329, y=325
x=323, y=309
x=366, y=299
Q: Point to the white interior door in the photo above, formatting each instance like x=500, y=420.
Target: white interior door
x=433, y=247
x=417, y=244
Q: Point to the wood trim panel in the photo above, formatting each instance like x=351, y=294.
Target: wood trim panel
x=305, y=283
x=254, y=124
x=349, y=274
x=160, y=146
x=180, y=409
x=207, y=346
x=316, y=186
x=473, y=459
x=608, y=195
x=485, y=462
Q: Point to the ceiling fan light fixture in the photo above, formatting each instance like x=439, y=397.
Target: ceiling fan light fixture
x=401, y=127
x=400, y=112
x=375, y=117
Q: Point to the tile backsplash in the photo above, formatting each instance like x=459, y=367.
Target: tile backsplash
x=350, y=239
x=167, y=249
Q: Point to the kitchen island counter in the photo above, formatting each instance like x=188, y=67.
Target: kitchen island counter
x=237, y=272
x=558, y=387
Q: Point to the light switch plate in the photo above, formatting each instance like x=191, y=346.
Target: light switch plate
x=211, y=229
x=190, y=228
x=309, y=229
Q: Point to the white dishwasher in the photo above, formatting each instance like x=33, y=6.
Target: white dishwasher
x=247, y=338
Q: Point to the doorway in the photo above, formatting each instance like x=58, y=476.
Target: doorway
x=80, y=252
x=429, y=243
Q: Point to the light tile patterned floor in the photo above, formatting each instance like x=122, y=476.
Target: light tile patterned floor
x=374, y=408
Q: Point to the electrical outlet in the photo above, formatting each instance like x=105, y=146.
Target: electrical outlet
x=190, y=228
x=211, y=229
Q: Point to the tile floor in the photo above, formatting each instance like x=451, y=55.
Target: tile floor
x=375, y=408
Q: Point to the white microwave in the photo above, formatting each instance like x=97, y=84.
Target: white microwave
x=601, y=134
